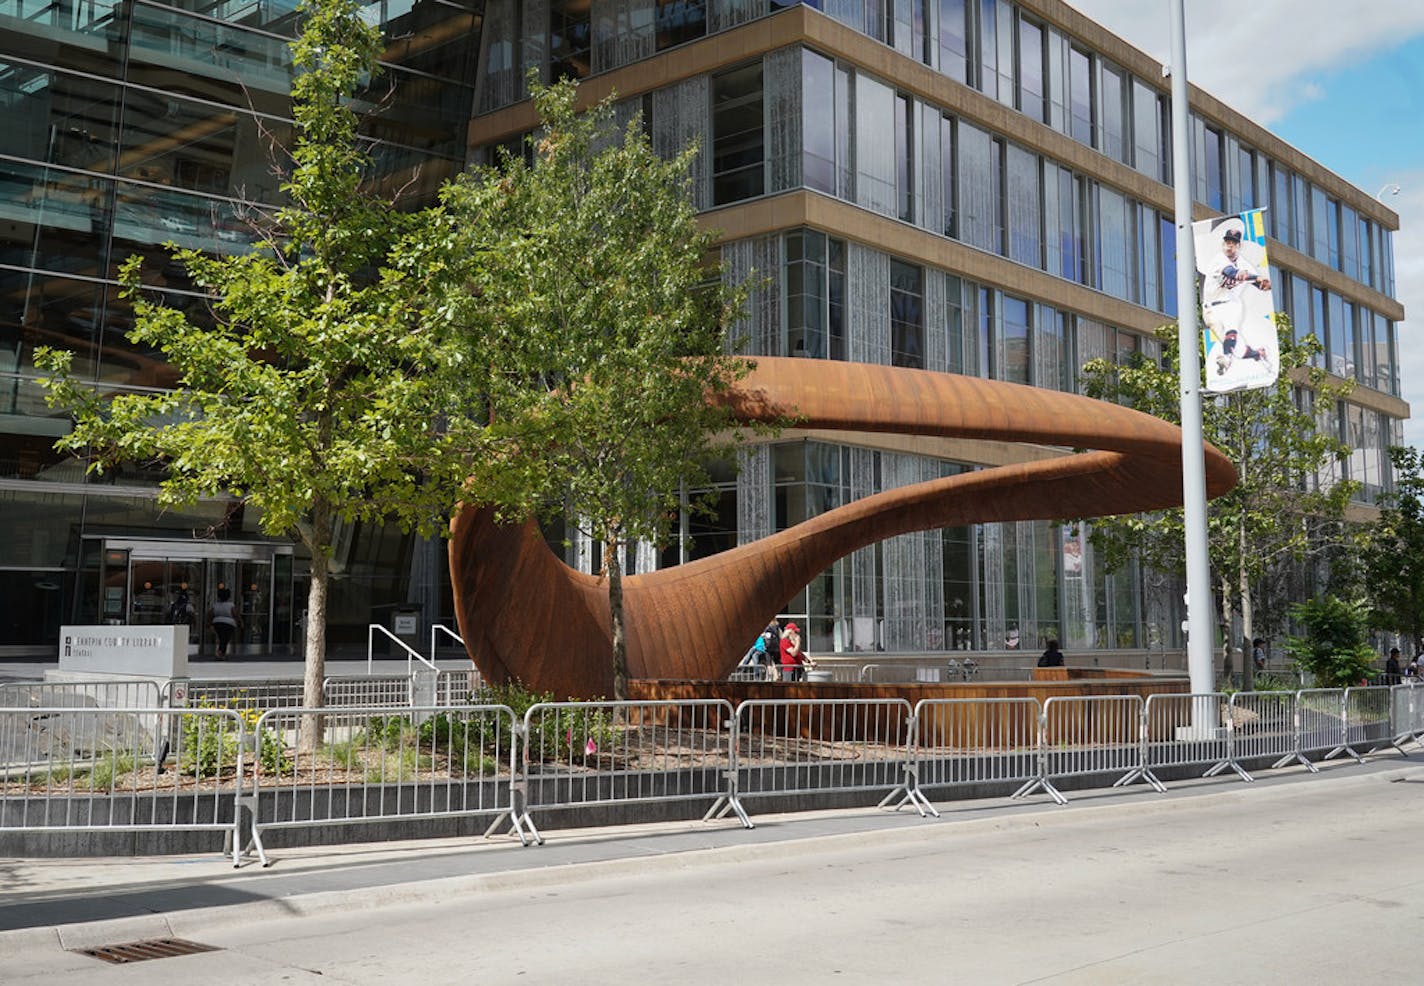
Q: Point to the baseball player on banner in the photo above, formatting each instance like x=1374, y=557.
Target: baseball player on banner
x=1238, y=313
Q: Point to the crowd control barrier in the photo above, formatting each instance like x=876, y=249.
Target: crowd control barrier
x=377, y=764
x=70, y=769
x=791, y=747
x=585, y=754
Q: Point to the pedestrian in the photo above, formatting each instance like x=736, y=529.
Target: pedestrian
x=1391, y=667
x=1052, y=657
x=223, y=617
x=1258, y=654
x=792, y=656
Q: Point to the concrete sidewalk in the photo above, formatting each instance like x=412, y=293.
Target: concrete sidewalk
x=49, y=901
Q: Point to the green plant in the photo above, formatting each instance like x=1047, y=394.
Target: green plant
x=1334, y=648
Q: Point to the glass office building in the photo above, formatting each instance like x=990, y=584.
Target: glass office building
x=975, y=186
x=972, y=186
x=127, y=125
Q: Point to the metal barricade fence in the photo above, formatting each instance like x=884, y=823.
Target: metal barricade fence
x=1367, y=721
x=379, y=764
x=240, y=694
x=1320, y=722
x=973, y=741
x=1083, y=735
x=1407, y=713
x=790, y=747
x=1263, y=724
x=581, y=754
x=67, y=769
x=363, y=690
x=459, y=687
x=128, y=693
x=1186, y=731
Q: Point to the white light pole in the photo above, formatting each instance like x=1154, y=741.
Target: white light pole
x=1390, y=189
x=1200, y=632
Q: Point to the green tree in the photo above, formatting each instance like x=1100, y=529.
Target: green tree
x=1394, y=547
x=1335, y=647
x=608, y=324
x=314, y=391
x=1280, y=513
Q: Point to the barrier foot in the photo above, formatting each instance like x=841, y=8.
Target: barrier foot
x=1048, y=789
x=1142, y=774
x=517, y=823
x=1294, y=757
x=911, y=796
x=728, y=803
x=1343, y=749
x=500, y=819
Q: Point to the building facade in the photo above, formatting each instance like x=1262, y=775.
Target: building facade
x=975, y=186
x=128, y=124
x=972, y=186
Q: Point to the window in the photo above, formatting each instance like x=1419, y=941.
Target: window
x=1111, y=101
x=907, y=315
x=953, y=39
x=1031, y=101
x=1080, y=96
x=1147, y=141
x=1013, y=347
x=738, y=137
x=570, y=39
x=815, y=295
x=904, y=157
x=1211, y=160
x=875, y=145
x=1025, y=206
x=678, y=21
x=818, y=128
x=947, y=170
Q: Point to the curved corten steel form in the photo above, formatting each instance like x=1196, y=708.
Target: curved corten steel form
x=526, y=615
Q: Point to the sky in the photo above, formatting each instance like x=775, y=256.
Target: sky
x=1342, y=83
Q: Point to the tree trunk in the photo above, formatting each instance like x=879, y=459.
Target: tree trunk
x=1227, y=614
x=613, y=562
x=315, y=653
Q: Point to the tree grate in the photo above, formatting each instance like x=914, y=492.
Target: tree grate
x=139, y=951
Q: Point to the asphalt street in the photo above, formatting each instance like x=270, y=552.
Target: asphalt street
x=1293, y=879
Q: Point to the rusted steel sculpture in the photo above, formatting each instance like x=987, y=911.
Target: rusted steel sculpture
x=526, y=615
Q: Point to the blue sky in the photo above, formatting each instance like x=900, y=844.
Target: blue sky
x=1342, y=83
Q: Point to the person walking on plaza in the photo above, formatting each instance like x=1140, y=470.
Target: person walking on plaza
x=1391, y=667
x=223, y=616
x=792, y=656
x=1052, y=657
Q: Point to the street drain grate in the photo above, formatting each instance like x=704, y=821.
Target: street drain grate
x=139, y=951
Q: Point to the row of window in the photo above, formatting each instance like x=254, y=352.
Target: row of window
x=990, y=45
x=864, y=142
x=836, y=299
x=1358, y=343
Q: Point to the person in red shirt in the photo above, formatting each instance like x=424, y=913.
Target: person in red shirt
x=792, y=656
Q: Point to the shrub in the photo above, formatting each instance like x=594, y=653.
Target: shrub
x=1335, y=646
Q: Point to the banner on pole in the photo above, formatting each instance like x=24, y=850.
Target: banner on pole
x=1238, y=313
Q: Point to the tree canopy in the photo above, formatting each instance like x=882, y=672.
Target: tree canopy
x=608, y=324
x=1286, y=506
x=1393, y=556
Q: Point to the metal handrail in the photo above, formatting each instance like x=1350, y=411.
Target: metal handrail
x=448, y=632
x=409, y=651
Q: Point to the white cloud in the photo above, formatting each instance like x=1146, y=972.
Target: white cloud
x=1409, y=281
x=1260, y=58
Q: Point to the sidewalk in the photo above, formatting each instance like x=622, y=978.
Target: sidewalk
x=125, y=899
